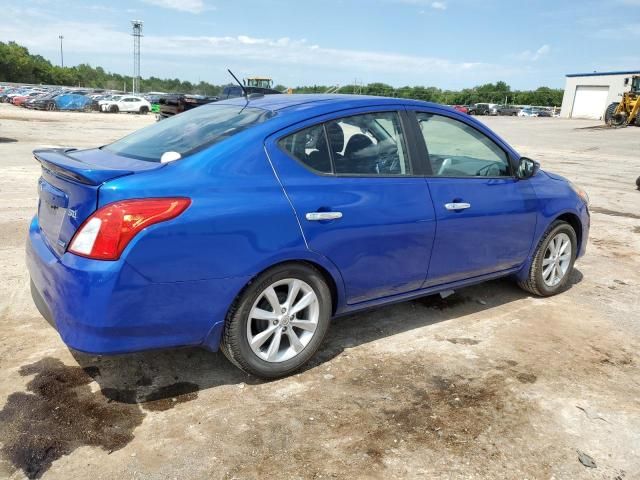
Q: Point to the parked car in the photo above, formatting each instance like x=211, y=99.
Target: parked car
x=173, y=104
x=18, y=100
x=479, y=109
x=543, y=112
x=461, y=108
x=73, y=101
x=528, y=112
x=507, y=110
x=126, y=103
x=45, y=102
x=248, y=225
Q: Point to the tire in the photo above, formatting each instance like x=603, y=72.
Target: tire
x=144, y=110
x=638, y=183
x=242, y=325
x=114, y=109
x=535, y=282
x=608, y=113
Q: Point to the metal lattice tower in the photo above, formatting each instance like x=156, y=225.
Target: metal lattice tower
x=137, y=33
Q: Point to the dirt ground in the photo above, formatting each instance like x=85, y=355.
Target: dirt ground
x=489, y=383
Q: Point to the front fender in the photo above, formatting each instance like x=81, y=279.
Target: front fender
x=556, y=199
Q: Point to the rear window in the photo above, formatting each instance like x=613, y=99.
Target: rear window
x=188, y=132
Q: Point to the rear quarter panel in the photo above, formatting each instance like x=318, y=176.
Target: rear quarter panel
x=238, y=223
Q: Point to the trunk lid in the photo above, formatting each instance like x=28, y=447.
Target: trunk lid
x=69, y=186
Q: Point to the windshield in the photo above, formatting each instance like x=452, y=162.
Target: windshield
x=189, y=131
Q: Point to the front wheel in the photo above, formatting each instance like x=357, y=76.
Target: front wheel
x=278, y=322
x=553, y=261
x=144, y=110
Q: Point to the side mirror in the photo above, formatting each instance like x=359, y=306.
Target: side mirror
x=527, y=168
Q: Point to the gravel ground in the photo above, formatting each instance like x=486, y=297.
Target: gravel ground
x=488, y=383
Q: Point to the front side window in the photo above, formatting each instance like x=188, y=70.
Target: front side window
x=459, y=150
x=189, y=131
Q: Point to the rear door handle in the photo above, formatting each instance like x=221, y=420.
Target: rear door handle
x=316, y=216
x=457, y=206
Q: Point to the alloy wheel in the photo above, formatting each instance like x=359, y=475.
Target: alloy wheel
x=283, y=320
x=556, y=260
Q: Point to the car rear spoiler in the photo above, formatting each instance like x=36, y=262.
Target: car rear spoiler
x=90, y=167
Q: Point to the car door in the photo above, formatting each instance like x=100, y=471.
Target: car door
x=360, y=199
x=125, y=104
x=485, y=216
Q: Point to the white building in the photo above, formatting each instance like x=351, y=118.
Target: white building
x=587, y=95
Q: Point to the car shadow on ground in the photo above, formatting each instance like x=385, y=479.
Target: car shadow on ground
x=102, y=400
x=156, y=376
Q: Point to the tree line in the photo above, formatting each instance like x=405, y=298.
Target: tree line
x=19, y=66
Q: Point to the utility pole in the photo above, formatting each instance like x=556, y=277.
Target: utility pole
x=61, y=55
x=137, y=33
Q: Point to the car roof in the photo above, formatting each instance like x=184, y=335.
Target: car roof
x=279, y=102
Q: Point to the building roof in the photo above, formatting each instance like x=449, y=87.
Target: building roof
x=598, y=74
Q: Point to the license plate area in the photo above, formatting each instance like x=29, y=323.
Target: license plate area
x=52, y=209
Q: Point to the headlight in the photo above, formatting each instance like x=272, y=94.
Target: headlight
x=580, y=192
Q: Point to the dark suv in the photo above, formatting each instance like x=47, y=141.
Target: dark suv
x=479, y=109
x=508, y=110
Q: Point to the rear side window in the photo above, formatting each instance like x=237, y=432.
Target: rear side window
x=188, y=132
x=310, y=147
x=369, y=144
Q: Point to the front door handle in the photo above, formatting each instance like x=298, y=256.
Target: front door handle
x=317, y=216
x=457, y=206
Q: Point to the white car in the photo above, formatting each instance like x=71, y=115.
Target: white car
x=125, y=103
x=528, y=112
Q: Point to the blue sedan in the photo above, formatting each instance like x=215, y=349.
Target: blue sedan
x=247, y=225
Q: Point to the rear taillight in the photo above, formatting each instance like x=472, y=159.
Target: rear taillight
x=106, y=233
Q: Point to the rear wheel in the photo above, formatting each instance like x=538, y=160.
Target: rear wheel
x=553, y=261
x=278, y=322
x=144, y=110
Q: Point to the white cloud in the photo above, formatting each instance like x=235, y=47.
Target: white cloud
x=533, y=56
x=437, y=5
x=191, y=6
x=86, y=39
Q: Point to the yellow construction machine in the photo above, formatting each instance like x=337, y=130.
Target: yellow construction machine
x=627, y=111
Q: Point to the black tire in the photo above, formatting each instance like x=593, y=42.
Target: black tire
x=608, y=113
x=51, y=106
x=114, y=109
x=535, y=283
x=235, y=344
x=144, y=110
x=638, y=183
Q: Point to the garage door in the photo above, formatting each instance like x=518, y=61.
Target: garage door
x=589, y=102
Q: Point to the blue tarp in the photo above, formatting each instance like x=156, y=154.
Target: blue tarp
x=72, y=101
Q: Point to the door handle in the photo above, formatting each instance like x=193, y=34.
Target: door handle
x=317, y=216
x=457, y=206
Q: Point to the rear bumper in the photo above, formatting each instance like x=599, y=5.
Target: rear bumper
x=108, y=307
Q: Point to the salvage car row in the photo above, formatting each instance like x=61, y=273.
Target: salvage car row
x=494, y=109
x=42, y=98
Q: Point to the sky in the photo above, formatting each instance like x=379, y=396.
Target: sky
x=450, y=44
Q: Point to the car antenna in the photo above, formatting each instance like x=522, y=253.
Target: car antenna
x=244, y=90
